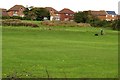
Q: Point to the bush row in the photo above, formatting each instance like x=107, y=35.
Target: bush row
x=13, y=22
x=14, y=17
x=100, y=23
x=64, y=23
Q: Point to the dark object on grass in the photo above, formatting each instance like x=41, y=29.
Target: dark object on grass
x=50, y=29
x=101, y=32
x=96, y=34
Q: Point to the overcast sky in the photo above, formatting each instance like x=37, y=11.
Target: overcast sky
x=75, y=5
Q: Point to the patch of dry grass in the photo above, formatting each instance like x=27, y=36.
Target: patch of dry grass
x=65, y=23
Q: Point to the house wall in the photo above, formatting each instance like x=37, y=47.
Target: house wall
x=66, y=17
x=20, y=12
x=54, y=16
x=102, y=17
x=16, y=13
x=111, y=17
x=108, y=17
x=10, y=13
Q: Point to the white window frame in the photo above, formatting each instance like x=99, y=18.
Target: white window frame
x=66, y=14
x=106, y=15
x=113, y=15
x=113, y=19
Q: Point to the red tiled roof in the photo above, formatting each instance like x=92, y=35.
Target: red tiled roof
x=16, y=8
x=98, y=13
x=51, y=9
x=66, y=11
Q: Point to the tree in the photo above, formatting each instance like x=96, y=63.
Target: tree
x=41, y=13
x=36, y=13
x=81, y=17
x=116, y=25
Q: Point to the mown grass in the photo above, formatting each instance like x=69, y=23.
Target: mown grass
x=70, y=52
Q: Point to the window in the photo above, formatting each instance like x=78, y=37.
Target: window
x=45, y=18
x=21, y=15
x=15, y=12
x=71, y=14
x=107, y=19
x=112, y=15
x=66, y=19
x=113, y=19
x=21, y=9
x=67, y=14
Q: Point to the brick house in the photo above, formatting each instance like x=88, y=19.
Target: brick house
x=54, y=15
x=111, y=16
x=66, y=14
x=63, y=15
x=16, y=10
x=104, y=15
x=4, y=12
x=99, y=14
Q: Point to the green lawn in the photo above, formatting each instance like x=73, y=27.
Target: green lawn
x=70, y=52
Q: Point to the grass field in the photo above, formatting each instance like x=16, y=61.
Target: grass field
x=61, y=52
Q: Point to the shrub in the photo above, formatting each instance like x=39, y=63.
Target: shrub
x=81, y=17
x=116, y=25
x=100, y=23
x=5, y=17
x=13, y=17
x=17, y=22
x=64, y=23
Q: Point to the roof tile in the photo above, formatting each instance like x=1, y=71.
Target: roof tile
x=66, y=11
x=16, y=8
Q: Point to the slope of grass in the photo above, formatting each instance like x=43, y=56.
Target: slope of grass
x=70, y=52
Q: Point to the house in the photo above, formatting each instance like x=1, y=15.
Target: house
x=53, y=14
x=66, y=14
x=63, y=15
x=16, y=10
x=111, y=16
x=99, y=14
x=104, y=15
x=4, y=12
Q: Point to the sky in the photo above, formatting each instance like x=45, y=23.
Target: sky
x=75, y=5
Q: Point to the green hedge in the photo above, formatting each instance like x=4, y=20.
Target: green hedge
x=17, y=22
